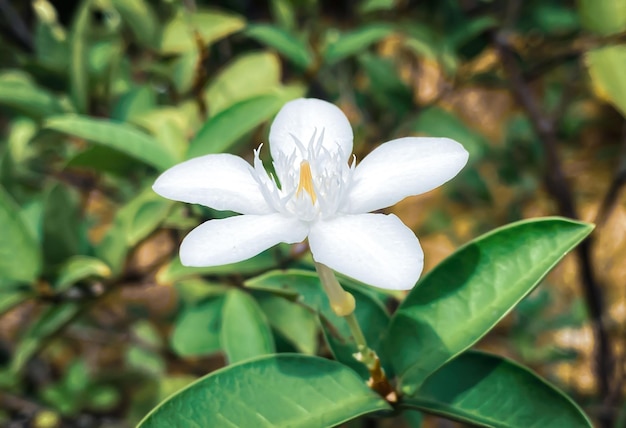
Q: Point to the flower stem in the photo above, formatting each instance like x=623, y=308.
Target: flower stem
x=343, y=304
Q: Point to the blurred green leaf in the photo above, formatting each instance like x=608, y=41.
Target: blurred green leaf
x=487, y=390
x=606, y=67
x=18, y=93
x=603, y=16
x=283, y=390
x=283, y=13
x=184, y=69
x=61, y=224
x=370, y=6
x=296, y=323
x=462, y=298
x=287, y=44
x=222, y=131
x=197, y=328
x=211, y=26
x=248, y=75
x=133, y=222
x=436, y=122
x=140, y=18
x=304, y=287
x=11, y=296
x=51, y=320
x=145, y=360
x=245, y=331
x=51, y=44
x=79, y=268
x=354, y=42
x=175, y=271
x=79, y=51
x=119, y=136
x=385, y=85
x=20, y=256
x=140, y=99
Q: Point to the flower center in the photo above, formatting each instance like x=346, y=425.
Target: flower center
x=306, y=181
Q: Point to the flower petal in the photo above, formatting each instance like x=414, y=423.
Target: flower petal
x=305, y=117
x=376, y=249
x=238, y=238
x=221, y=181
x=403, y=167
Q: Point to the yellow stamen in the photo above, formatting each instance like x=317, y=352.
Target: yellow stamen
x=306, y=181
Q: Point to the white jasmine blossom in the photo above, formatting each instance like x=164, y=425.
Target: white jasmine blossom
x=320, y=193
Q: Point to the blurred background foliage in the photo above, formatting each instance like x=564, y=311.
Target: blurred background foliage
x=98, y=319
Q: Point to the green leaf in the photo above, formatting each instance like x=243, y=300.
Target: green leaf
x=284, y=390
x=10, y=297
x=487, y=390
x=296, y=323
x=245, y=330
x=140, y=18
x=61, y=224
x=50, y=322
x=20, y=257
x=603, y=16
x=436, y=122
x=133, y=222
x=211, y=25
x=175, y=271
x=287, y=44
x=197, y=329
x=79, y=79
x=605, y=67
x=249, y=75
x=119, y=136
x=20, y=94
x=305, y=288
x=79, y=268
x=462, y=298
x=222, y=131
x=138, y=100
x=354, y=42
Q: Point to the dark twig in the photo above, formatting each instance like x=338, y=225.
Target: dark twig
x=619, y=180
x=558, y=187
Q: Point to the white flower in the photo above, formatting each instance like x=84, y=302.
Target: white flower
x=320, y=195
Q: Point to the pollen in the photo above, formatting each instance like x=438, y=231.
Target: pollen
x=306, y=181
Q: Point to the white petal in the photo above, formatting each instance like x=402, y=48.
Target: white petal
x=401, y=168
x=221, y=181
x=376, y=249
x=238, y=238
x=305, y=117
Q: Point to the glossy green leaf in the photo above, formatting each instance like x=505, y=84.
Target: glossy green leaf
x=286, y=44
x=245, y=330
x=18, y=93
x=49, y=322
x=488, y=390
x=462, y=298
x=284, y=390
x=603, y=16
x=295, y=323
x=20, y=257
x=119, y=136
x=248, y=75
x=79, y=268
x=354, y=42
x=605, y=67
x=197, y=329
x=304, y=287
x=222, y=131
x=211, y=25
